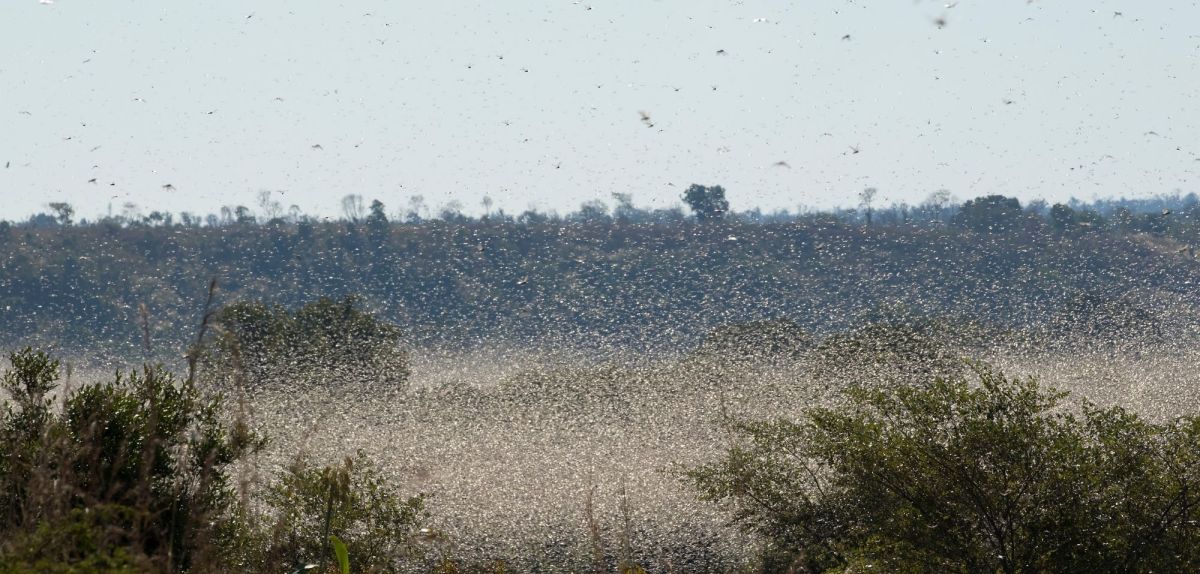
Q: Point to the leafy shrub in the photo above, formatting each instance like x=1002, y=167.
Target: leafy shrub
x=327, y=340
x=131, y=476
x=130, y=471
x=83, y=542
x=955, y=477
x=353, y=501
x=991, y=213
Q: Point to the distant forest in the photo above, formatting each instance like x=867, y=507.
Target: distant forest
x=614, y=273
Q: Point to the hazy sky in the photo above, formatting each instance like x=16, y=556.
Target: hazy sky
x=536, y=102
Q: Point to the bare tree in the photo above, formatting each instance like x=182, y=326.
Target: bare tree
x=451, y=211
x=271, y=209
x=130, y=211
x=624, y=209
x=353, y=208
x=937, y=202
x=416, y=207
x=865, y=198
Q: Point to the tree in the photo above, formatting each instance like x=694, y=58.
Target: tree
x=377, y=224
x=130, y=470
x=708, y=203
x=936, y=203
x=994, y=475
x=243, y=216
x=992, y=213
x=1124, y=219
x=327, y=341
x=452, y=212
x=270, y=208
x=624, y=210
x=377, y=216
x=416, y=207
x=352, y=207
x=865, y=198
x=1062, y=217
x=130, y=211
x=63, y=212
x=353, y=501
x=591, y=211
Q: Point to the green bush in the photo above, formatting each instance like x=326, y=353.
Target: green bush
x=952, y=476
x=325, y=340
x=83, y=542
x=130, y=471
x=353, y=501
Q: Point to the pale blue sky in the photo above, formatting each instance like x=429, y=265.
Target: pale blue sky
x=536, y=102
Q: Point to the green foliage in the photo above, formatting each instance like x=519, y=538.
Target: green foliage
x=131, y=476
x=354, y=503
x=143, y=458
x=83, y=542
x=328, y=340
x=992, y=213
x=24, y=428
x=708, y=203
x=950, y=476
x=637, y=278
x=341, y=553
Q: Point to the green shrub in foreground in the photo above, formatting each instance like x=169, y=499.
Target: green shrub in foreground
x=952, y=476
x=352, y=501
x=128, y=472
x=132, y=475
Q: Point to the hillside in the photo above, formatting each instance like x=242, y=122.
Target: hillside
x=648, y=284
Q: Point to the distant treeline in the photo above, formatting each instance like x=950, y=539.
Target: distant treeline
x=621, y=275
x=705, y=203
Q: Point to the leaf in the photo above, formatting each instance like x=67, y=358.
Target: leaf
x=340, y=552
